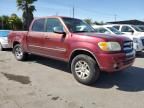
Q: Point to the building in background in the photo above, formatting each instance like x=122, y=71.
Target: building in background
x=132, y=22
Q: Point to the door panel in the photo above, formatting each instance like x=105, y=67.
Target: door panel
x=36, y=36
x=36, y=42
x=55, y=43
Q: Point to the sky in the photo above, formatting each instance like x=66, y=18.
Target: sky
x=97, y=10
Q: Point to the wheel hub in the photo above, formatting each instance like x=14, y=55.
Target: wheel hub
x=18, y=52
x=82, y=69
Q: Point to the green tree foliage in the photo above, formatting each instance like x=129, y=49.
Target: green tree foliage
x=10, y=22
x=89, y=21
x=27, y=8
x=4, y=22
x=96, y=22
x=15, y=22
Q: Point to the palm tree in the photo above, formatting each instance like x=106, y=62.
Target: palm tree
x=28, y=8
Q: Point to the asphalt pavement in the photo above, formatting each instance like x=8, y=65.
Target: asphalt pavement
x=46, y=83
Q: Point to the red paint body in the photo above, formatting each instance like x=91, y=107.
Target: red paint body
x=62, y=47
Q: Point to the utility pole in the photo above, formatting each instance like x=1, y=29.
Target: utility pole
x=73, y=8
x=73, y=11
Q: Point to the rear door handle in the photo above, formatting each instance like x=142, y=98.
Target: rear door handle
x=47, y=37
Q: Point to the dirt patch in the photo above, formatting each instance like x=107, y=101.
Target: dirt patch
x=49, y=95
x=55, y=98
x=5, y=60
x=17, y=78
x=2, y=61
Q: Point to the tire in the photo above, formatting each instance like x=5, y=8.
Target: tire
x=1, y=48
x=18, y=52
x=85, y=69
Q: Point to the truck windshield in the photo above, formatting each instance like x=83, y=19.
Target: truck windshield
x=115, y=31
x=77, y=25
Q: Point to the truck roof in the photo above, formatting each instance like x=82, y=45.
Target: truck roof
x=53, y=17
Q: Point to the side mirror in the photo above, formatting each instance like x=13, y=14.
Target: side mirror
x=58, y=30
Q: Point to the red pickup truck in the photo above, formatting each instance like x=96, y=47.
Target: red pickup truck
x=74, y=41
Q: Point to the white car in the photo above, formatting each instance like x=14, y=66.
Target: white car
x=106, y=29
x=4, y=39
x=128, y=29
x=135, y=31
x=138, y=41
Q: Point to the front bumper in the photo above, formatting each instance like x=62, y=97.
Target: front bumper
x=115, y=62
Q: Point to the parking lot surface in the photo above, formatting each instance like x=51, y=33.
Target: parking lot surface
x=45, y=83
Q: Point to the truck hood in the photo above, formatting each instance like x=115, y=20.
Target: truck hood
x=105, y=36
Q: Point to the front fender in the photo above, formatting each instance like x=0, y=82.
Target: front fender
x=88, y=47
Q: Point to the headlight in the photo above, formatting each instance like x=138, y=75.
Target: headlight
x=109, y=46
x=135, y=40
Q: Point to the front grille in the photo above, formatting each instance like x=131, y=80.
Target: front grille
x=128, y=49
x=128, y=46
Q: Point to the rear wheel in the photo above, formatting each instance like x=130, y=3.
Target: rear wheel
x=85, y=69
x=20, y=55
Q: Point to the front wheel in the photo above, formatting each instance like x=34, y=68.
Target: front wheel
x=85, y=69
x=18, y=52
